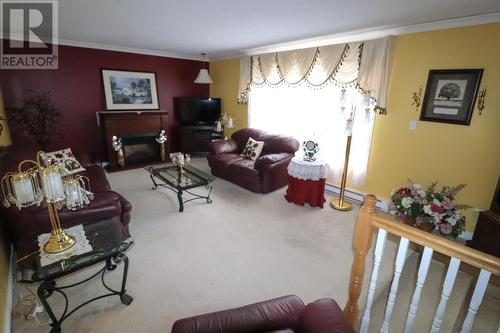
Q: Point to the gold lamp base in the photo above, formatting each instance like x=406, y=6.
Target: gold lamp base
x=59, y=241
x=338, y=205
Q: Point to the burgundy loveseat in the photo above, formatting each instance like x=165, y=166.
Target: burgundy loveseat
x=27, y=223
x=266, y=174
x=284, y=314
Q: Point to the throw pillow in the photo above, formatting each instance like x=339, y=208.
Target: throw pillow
x=65, y=159
x=253, y=149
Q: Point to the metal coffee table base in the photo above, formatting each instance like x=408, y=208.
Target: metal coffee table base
x=180, y=192
x=47, y=288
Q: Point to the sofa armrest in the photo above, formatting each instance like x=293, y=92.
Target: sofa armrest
x=268, y=316
x=323, y=315
x=266, y=161
x=223, y=147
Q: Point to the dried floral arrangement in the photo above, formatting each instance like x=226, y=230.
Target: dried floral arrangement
x=36, y=119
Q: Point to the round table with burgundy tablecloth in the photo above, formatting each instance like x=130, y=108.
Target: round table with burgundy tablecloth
x=306, y=182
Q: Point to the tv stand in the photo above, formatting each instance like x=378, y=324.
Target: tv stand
x=195, y=139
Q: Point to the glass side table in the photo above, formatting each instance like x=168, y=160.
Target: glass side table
x=108, y=247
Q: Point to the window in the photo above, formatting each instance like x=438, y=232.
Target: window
x=316, y=114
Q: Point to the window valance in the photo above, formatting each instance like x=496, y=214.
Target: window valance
x=362, y=64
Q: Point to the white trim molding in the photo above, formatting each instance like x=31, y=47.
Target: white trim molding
x=9, y=294
x=372, y=33
x=110, y=47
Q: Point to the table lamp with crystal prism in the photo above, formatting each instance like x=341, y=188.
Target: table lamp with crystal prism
x=31, y=186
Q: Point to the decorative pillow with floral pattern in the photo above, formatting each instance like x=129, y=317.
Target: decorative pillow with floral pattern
x=253, y=149
x=65, y=159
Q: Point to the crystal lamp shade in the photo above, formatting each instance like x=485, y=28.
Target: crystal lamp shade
x=25, y=191
x=52, y=184
x=203, y=77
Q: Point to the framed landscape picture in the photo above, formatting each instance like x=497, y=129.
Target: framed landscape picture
x=128, y=90
x=450, y=95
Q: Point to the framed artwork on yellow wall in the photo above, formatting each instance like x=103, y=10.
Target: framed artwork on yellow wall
x=450, y=95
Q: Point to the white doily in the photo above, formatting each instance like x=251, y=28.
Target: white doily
x=298, y=168
x=81, y=246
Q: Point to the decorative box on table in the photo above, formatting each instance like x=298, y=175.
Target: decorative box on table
x=306, y=182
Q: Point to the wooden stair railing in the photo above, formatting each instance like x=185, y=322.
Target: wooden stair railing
x=367, y=220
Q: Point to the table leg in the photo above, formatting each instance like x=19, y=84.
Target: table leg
x=45, y=290
x=155, y=186
x=181, y=202
x=124, y=297
x=209, y=192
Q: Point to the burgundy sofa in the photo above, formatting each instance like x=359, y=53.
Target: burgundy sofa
x=284, y=314
x=266, y=174
x=26, y=224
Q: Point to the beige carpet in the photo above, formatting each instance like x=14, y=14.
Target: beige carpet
x=242, y=248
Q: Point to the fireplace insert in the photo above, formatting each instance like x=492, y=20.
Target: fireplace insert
x=140, y=149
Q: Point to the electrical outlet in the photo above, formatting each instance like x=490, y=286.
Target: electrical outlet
x=475, y=213
x=413, y=125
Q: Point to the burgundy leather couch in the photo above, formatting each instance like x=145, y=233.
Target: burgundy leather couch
x=284, y=314
x=266, y=174
x=28, y=223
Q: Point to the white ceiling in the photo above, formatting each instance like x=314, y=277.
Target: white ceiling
x=224, y=28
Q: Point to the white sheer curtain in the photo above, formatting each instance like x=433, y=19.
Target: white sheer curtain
x=298, y=93
x=316, y=114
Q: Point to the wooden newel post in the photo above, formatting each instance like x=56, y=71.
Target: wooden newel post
x=362, y=243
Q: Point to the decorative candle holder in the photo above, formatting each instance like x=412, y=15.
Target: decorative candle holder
x=181, y=161
x=117, y=145
x=161, y=138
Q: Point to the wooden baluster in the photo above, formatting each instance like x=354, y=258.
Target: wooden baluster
x=449, y=281
x=421, y=276
x=400, y=262
x=379, y=252
x=362, y=243
x=475, y=302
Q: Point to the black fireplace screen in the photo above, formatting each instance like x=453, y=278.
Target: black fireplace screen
x=141, y=148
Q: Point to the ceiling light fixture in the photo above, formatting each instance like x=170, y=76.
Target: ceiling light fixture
x=203, y=76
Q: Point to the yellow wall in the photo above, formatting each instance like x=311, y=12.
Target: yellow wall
x=226, y=74
x=4, y=263
x=450, y=154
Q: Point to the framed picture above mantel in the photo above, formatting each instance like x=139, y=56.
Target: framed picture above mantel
x=129, y=90
x=450, y=95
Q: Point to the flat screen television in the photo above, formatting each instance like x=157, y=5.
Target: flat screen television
x=199, y=111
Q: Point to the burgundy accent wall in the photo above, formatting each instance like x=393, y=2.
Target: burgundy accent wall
x=77, y=92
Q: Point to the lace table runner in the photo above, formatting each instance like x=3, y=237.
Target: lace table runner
x=82, y=246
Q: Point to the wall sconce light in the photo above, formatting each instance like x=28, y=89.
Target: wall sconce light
x=480, y=100
x=416, y=99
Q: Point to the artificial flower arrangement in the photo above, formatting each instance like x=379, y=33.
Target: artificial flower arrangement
x=429, y=209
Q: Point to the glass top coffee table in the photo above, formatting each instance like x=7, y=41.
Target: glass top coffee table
x=172, y=178
x=108, y=245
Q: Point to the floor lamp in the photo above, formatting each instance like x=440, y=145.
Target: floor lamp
x=340, y=203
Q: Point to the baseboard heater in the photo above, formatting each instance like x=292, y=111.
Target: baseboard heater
x=355, y=196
